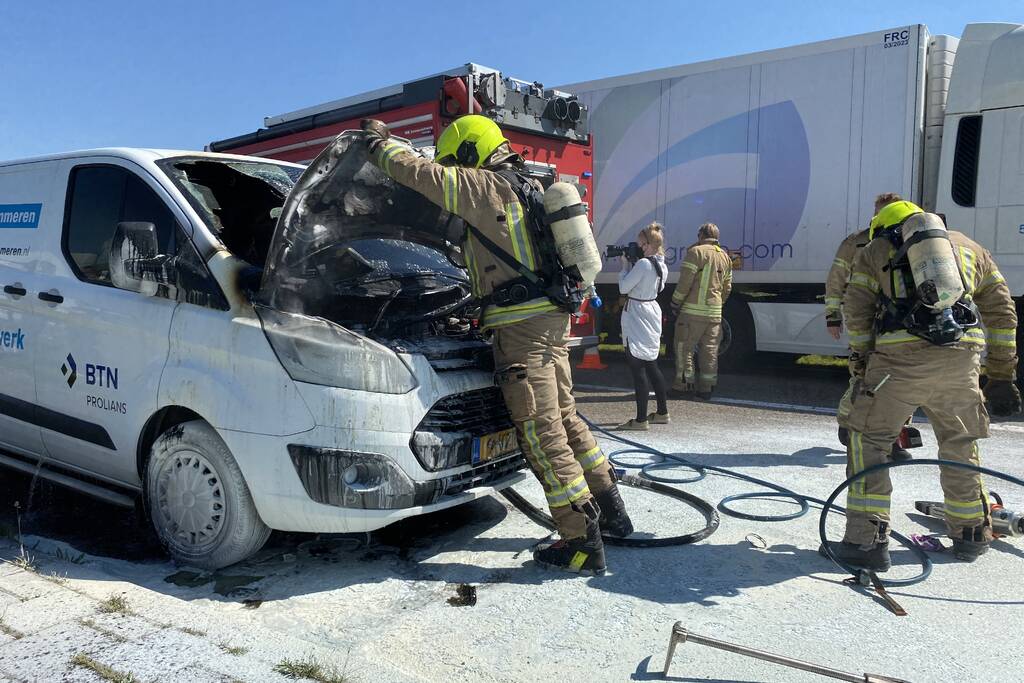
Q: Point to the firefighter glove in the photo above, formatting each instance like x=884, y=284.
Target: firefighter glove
x=834, y=319
x=376, y=132
x=1003, y=397
x=858, y=364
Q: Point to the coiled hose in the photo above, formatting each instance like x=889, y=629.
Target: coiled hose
x=649, y=479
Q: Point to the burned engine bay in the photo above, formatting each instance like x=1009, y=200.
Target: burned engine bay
x=355, y=248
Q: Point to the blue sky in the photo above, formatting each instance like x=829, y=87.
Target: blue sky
x=179, y=74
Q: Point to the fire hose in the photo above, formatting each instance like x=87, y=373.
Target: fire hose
x=649, y=478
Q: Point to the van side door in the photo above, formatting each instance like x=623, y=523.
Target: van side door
x=27, y=209
x=102, y=349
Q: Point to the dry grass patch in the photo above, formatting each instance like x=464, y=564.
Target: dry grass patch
x=311, y=669
x=114, y=604
x=102, y=670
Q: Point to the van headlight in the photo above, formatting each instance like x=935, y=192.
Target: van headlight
x=350, y=479
x=316, y=351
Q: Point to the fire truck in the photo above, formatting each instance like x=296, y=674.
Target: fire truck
x=548, y=128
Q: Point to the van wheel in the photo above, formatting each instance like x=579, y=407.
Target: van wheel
x=198, y=501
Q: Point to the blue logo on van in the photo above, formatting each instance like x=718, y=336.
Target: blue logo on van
x=20, y=215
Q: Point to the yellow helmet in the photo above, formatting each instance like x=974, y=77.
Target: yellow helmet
x=468, y=141
x=893, y=215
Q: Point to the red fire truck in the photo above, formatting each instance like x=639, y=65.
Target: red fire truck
x=550, y=129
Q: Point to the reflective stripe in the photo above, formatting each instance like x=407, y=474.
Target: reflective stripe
x=898, y=337
x=859, y=338
x=389, y=151
x=703, y=311
x=993, y=278
x=548, y=473
x=711, y=377
x=833, y=301
x=974, y=335
x=857, y=462
x=470, y=256
x=521, y=247
x=499, y=316
x=959, y=509
x=967, y=261
x=868, y=503
x=705, y=281
x=690, y=266
x=865, y=281
x=579, y=558
x=590, y=459
x=845, y=265
x=677, y=297
x=451, y=189
x=1001, y=336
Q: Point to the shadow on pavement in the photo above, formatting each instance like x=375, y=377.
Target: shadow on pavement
x=643, y=673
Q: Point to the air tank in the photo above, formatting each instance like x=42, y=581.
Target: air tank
x=932, y=263
x=574, y=240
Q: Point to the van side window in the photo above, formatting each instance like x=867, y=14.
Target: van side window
x=100, y=197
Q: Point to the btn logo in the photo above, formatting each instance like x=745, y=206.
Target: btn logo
x=70, y=366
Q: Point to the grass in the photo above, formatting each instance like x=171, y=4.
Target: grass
x=25, y=561
x=235, y=650
x=107, y=632
x=192, y=631
x=102, y=670
x=114, y=604
x=311, y=669
x=54, y=577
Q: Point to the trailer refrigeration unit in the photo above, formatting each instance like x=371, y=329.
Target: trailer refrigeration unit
x=785, y=150
x=549, y=128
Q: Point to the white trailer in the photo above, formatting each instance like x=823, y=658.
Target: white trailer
x=786, y=149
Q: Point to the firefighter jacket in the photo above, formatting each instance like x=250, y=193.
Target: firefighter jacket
x=486, y=201
x=705, y=280
x=871, y=279
x=839, y=273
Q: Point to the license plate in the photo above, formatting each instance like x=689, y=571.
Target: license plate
x=491, y=446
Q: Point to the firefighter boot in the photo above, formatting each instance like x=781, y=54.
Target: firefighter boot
x=583, y=555
x=873, y=556
x=971, y=545
x=614, y=520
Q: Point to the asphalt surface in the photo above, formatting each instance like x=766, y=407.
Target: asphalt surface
x=454, y=596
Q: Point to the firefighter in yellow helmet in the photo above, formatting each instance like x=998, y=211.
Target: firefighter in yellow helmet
x=835, y=286
x=705, y=281
x=474, y=176
x=915, y=307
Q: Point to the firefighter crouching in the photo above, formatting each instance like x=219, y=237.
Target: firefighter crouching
x=472, y=176
x=705, y=280
x=835, y=286
x=912, y=308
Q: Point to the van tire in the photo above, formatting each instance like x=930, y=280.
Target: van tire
x=209, y=519
x=741, y=351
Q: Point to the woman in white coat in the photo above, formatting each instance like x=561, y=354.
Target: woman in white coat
x=641, y=282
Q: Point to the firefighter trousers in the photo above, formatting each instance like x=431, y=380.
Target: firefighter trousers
x=703, y=334
x=533, y=372
x=943, y=381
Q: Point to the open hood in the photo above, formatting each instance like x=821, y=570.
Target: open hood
x=354, y=247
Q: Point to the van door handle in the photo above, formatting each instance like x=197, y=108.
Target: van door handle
x=51, y=298
x=14, y=290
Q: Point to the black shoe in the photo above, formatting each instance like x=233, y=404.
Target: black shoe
x=614, y=519
x=899, y=454
x=971, y=546
x=704, y=395
x=873, y=557
x=577, y=555
x=844, y=436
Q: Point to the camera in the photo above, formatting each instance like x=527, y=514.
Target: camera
x=631, y=251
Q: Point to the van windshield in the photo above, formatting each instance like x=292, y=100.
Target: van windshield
x=354, y=247
x=238, y=200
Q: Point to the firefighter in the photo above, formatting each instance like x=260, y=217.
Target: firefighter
x=528, y=338
x=908, y=354
x=705, y=280
x=835, y=287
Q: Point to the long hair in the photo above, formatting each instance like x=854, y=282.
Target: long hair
x=654, y=234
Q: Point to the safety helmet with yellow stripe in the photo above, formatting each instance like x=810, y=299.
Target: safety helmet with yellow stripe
x=892, y=216
x=468, y=141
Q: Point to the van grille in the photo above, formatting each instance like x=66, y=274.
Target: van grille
x=444, y=438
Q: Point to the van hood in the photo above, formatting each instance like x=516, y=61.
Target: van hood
x=356, y=248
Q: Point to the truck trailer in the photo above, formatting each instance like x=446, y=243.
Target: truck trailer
x=786, y=149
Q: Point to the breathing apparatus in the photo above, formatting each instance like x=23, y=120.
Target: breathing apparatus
x=935, y=307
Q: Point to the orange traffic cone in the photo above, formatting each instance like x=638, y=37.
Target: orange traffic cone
x=591, y=360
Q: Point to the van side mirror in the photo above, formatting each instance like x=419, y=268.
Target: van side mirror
x=135, y=264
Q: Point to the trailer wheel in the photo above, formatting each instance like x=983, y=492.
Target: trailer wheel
x=738, y=346
x=198, y=500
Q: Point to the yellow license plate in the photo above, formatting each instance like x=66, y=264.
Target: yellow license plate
x=491, y=446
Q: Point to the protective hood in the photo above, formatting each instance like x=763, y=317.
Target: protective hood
x=354, y=247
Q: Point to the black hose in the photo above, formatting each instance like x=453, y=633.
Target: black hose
x=705, y=508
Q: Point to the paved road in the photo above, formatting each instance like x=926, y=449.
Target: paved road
x=383, y=611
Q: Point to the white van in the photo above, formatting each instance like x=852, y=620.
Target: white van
x=143, y=351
